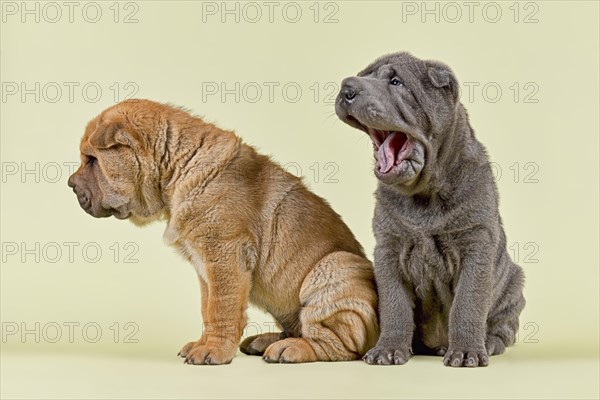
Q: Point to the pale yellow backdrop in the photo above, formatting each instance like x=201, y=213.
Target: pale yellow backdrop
x=269, y=71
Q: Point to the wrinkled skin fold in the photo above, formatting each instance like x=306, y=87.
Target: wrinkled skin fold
x=446, y=283
x=252, y=231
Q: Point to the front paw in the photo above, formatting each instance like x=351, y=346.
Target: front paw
x=207, y=354
x=466, y=358
x=185, y=350
x=387, y=355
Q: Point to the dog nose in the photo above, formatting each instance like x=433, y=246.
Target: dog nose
x=71, y=181
x=348, y=92
x=351, y=87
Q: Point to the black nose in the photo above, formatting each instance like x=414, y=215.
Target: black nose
x=71, y=182
x=348, y=92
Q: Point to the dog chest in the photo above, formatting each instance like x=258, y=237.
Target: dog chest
x=429, y=264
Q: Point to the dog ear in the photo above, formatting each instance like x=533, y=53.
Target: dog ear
x=108, y=135
x=441, y=76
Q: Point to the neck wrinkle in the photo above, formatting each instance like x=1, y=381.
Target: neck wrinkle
x=456, y=158
x=165, y=170
x=450, y=159
x=215, y=150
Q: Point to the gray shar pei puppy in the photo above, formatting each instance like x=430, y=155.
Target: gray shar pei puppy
x=446, y=283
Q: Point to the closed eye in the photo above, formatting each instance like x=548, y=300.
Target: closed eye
x=91, y=161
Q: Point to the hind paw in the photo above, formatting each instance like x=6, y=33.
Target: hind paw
x=290, y=350
x=494, y=345
x=257, y=344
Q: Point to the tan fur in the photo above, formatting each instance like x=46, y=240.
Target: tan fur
x=253, y=232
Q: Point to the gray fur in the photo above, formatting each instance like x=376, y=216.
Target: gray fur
x=446, y=283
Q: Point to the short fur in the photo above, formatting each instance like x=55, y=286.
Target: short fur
x=446, y=283
x=253, y=232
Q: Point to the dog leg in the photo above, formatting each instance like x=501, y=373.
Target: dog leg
x=396, y=308
x=471, y=304
x=203, y=305
x=228, y=284
x=503, y=320
x=338, y=320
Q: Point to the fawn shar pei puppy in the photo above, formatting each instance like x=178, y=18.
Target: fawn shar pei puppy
x=252, y=231
x=446, y=283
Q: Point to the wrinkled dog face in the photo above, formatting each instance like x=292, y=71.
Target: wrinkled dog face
x=113, y=178
x=404, y=104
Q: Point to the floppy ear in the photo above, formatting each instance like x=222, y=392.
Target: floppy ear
x=108, y=135
x=441, y=76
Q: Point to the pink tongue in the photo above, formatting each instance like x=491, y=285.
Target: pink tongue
x=386, y=154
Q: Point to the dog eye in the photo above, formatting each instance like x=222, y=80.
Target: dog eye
x=91, y=161
x=395, y=81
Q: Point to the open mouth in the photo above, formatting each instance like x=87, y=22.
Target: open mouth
x=391, y=148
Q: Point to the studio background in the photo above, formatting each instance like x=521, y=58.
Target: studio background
x=107, y=305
